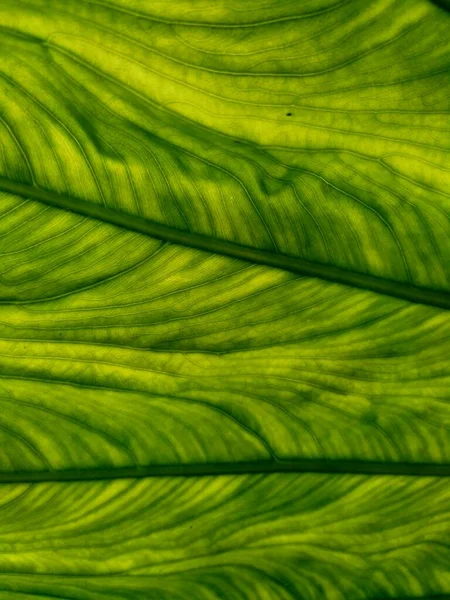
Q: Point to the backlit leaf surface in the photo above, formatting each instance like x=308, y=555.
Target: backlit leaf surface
x=170, y=381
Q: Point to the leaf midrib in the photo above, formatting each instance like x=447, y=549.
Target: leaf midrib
x=305, y=465
x=214, y=245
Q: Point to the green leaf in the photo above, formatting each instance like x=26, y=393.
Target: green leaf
x=120, y=350
x=224, y=263
x=278, y=536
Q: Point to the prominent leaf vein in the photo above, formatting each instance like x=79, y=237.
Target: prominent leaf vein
x=223, y=247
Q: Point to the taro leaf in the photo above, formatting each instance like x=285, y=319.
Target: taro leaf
x=225, y=255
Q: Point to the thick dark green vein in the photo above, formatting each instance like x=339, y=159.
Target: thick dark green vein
x=218, y=246
x=209, y=469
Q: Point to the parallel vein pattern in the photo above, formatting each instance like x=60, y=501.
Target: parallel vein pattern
x=318, y=129
x=270, y=537
x=118, y=350
x=210, y=244
x=315, y=129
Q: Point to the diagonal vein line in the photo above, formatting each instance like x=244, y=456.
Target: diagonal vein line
x=226, y=248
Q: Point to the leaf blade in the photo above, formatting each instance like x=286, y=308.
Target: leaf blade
x=384, y=185
x=312, y=132
x=163, y=355
x=283, y=536
x=217, y=246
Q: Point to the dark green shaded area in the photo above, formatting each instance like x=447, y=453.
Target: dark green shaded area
x=442, y=3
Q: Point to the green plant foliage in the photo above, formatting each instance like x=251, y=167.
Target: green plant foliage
x=249, y=536
x=224, y=266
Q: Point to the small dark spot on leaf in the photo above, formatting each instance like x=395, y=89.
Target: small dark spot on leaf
x=289, y=114
x=237, y=142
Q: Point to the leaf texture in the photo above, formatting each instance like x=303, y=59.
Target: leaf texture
x=147, y=371
x=317, y=129
x=119, y=350
x=283, y=536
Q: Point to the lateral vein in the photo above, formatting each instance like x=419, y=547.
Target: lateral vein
x=215, y=245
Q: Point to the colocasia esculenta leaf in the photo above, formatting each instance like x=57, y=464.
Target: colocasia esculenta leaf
x=224, y=299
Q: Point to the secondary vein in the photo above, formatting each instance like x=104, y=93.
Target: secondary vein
x=215, y=245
